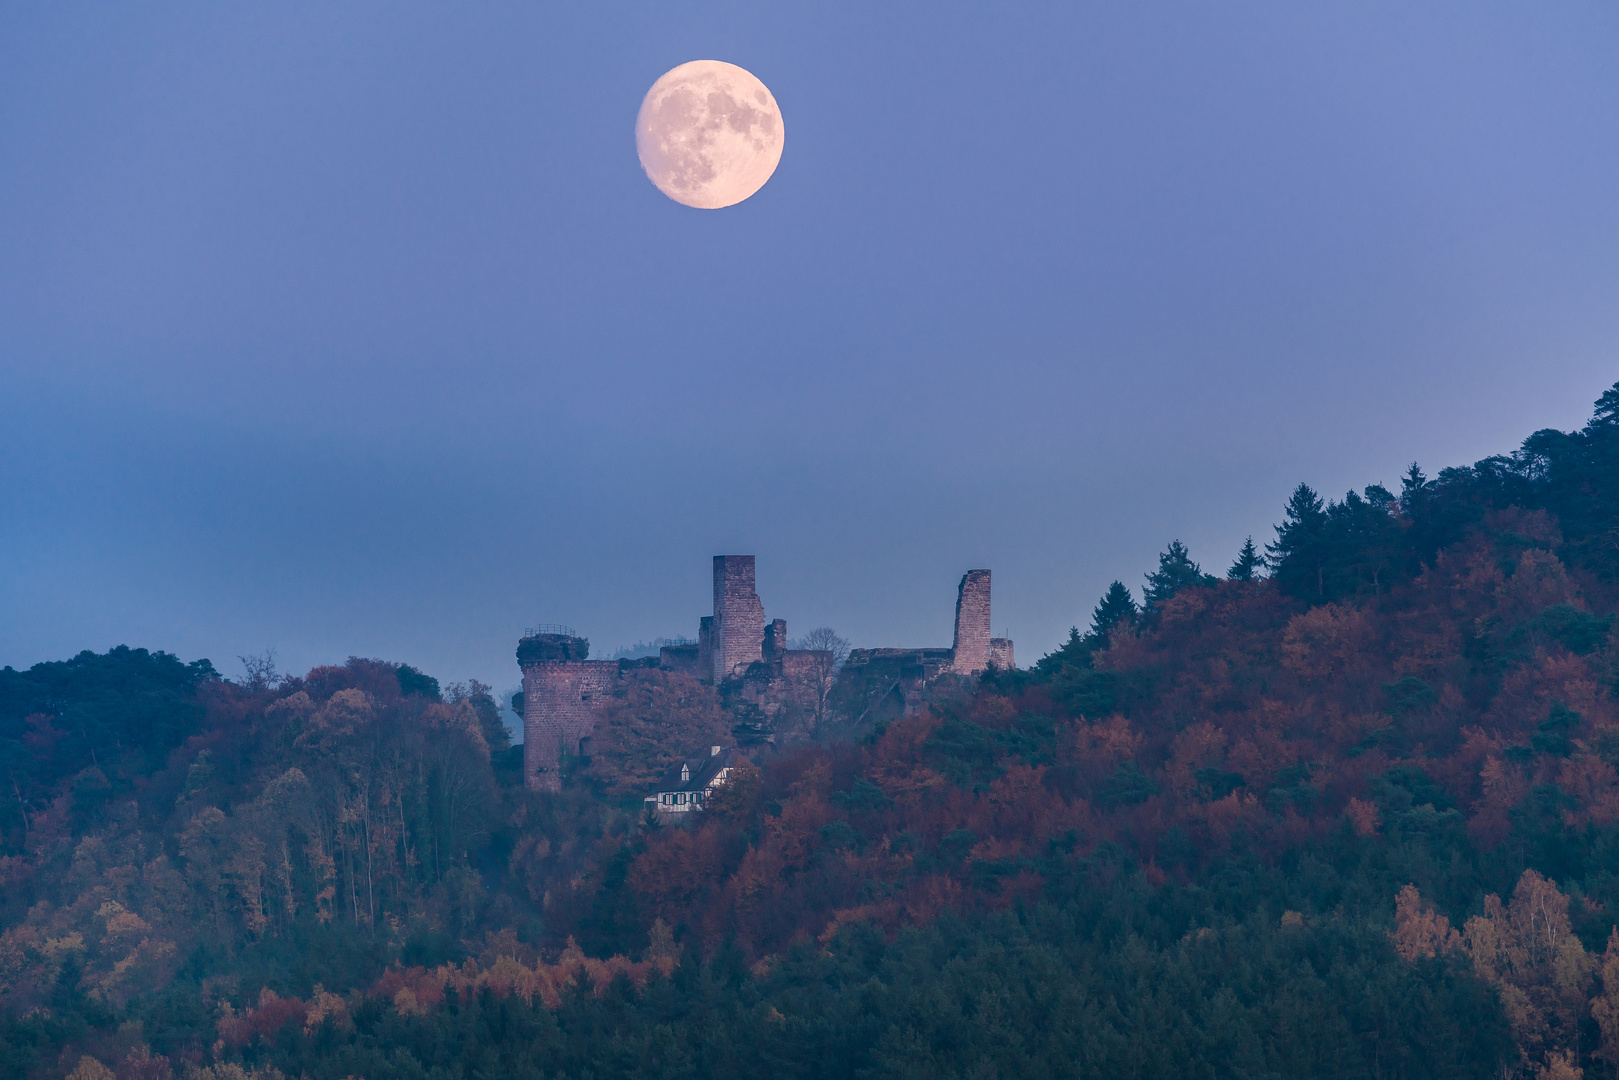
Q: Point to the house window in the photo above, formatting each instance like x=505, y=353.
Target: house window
x=680, y=799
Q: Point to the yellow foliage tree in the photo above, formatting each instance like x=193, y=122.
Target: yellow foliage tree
x=1419, y=930
x=1528, y=951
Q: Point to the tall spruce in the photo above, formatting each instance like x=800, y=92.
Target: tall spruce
x=1117, y=607
x=1176, y=571
x=1248, y=564
x=1298, y=557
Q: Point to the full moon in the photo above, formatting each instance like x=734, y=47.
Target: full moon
x=709, y=134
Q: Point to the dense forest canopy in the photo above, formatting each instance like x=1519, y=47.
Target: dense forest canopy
x=1350, y=810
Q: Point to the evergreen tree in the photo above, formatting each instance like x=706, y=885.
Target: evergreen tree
x=1412, y=482
x=1248, y=563
x=1366, y=543
x=1176, y=571
x=1298, y=557
x=1606, y=413
x=1117, y=606
x=1073, y=653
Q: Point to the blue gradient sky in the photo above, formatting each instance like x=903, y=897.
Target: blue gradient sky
x=356, y=329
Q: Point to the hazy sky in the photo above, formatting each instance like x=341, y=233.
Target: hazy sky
x=355, y=329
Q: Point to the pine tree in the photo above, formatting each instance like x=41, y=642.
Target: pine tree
x=1176, y=571
x=1606, y=413
x=1117, y=606
x=1412, y=482
x=1248, y=563
x=1298, y=557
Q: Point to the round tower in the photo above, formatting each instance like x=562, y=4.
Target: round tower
x=561, y=688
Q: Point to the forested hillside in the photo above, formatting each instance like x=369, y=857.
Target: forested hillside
x=1349, y=809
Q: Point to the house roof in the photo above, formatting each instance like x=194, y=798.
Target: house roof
x=702, y=771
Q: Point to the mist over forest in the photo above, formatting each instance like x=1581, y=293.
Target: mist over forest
x=1346, y=805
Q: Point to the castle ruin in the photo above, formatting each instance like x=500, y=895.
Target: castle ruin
x=735, y=649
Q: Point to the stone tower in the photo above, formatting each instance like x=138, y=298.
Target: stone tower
x=560, y=692
x=971, y=651
x=736, y=638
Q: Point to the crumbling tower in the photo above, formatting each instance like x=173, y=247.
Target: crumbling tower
x=971, y=651
x=737, y=634
x=560, y=691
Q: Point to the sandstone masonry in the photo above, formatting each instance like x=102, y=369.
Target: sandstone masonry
x=970, y=651
x=738, y=651
x=739, y=618
x=560, y=692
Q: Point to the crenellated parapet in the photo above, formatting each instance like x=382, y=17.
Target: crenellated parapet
x=763, y=682
x=738, y=628
x=561, y=689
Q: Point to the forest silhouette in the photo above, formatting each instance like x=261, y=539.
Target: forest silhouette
x=1350, y=810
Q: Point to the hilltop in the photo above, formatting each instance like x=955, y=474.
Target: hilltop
x=1352, y=809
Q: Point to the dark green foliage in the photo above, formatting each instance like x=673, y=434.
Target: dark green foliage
x=1176, y=571
x=538, y=647
x=1298, y=555
x=1372, y=540
x=1070, y=904
x=839, y=835
x=864, y=796
x=1127, y=786
x=118, y=713
x=1249, y=563
x=1552, y=736
x=1032, y=737
x=1116, y=608
x=1084, y=692
x=1580, y=631
x=1215, y=783
x=1107, y=976
x=1409, y=694
x=412, y=681
x=1349, y=548
x=964, y=752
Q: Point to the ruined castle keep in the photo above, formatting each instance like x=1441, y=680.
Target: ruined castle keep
x=736, y=649
x=736, y=631
x=560, y=691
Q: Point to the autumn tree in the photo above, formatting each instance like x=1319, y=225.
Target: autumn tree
x=829, y=651
x=1419, y=930
x=1528, y=951
x=653, y=720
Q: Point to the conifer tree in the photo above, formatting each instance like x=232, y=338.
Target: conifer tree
x=1298, y=557
x=1248, y=563
x=1176, y=571
x=1606, y=413
x=1117, y=606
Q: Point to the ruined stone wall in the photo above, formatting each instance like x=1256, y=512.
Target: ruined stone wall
x=1000, y=654
x=705, y=648
x=559, y=709
x=775, y=643
x=739, y=617
x=971, y=648
x=685, y=658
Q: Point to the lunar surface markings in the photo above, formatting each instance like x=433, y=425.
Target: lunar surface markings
x=709, y=134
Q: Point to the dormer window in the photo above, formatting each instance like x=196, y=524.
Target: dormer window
x=685, y=774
